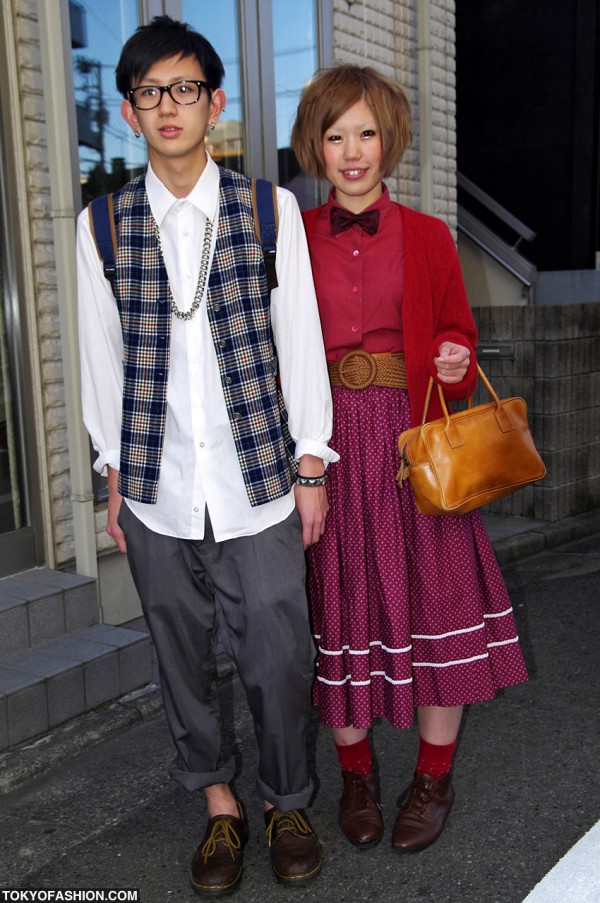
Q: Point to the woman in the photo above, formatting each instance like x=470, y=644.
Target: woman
x=409, y=612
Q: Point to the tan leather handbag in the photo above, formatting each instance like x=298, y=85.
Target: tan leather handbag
x=467, y=459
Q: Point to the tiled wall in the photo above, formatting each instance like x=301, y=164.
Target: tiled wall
x=556, y=368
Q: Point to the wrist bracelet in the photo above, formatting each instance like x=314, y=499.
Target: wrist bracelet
x=312, y=481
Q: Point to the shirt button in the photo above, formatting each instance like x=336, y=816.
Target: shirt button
x=196, y=510
x=185, y=234
x=223, y=343
x=355, y=288
x=355, y=328
x=355, y=253
x=237, y=415
x=228, y=380
x=216, y=307
x=201, y=444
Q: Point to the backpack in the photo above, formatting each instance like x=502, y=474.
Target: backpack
x=264, y=208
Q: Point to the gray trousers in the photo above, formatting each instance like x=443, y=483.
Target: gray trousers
x=249, y=593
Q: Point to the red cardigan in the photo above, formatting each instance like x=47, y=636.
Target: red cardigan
x=435, y=308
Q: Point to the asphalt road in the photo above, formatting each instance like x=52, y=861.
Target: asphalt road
x=526, y=778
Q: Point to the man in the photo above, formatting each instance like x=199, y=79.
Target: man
x=203, y=399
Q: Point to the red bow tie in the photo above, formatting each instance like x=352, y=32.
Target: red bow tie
x=341, y=219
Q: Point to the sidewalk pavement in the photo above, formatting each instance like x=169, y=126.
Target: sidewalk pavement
x=513, y=539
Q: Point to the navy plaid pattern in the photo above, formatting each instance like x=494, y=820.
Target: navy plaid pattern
x=239, y=316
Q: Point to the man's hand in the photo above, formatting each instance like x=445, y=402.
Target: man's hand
x=312, y=505
x=311, y=501
x=115, y=500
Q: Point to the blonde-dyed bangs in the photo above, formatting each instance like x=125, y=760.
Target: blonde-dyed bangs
x=333, y=91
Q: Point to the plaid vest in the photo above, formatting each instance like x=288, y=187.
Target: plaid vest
x=239, y=315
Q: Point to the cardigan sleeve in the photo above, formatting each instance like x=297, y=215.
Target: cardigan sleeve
x=435, y=310
x=453, y=319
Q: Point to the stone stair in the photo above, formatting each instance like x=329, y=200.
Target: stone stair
x=56, y=660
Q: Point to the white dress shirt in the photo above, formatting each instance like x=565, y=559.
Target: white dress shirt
x=199, y=465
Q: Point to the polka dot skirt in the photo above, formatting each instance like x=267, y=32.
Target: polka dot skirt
x=407, y=610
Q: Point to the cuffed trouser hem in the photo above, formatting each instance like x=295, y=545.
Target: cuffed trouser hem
x=287, y=801
x=193, y=780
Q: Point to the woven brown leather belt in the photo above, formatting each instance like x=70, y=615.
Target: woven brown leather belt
x=360, y=369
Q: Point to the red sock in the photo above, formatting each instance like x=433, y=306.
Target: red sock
x=433, y=759
x=356, y=757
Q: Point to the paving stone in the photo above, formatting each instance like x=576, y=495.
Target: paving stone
x=62, y=579
x=8, y=599
x=81, y=606
x=14, y=629
x=43, y=662
x=101, y=677
x=12, y=680
x=66, y=696
x=46, y=619
x=28, y=589
x=135, y=666
x=27, y=712
x=112, y=636
x=78, y=649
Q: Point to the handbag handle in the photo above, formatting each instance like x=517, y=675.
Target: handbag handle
x=452, y=432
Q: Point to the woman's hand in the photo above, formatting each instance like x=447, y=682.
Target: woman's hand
x=452, y=363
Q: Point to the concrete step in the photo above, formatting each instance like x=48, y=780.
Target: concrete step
x=56, y=660
x=43, y=687
x=41, y=605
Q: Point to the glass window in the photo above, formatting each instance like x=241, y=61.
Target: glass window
x=12, y=513
x=295, y=42
x=218, y=22
x=109, y=154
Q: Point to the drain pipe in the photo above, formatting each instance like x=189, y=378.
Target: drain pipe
x=425, y=104
x=65, y=194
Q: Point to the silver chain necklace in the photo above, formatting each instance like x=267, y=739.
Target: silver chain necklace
x=202, y=274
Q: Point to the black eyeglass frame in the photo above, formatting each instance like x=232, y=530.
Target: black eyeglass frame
x=167, y=88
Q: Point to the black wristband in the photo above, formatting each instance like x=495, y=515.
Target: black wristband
x=312, y=481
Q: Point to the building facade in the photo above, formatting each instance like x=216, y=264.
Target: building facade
x=64, y=590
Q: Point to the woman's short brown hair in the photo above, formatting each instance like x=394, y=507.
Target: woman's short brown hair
x=333, y=91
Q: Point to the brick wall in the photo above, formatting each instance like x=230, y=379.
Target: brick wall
x=556, y=368
x=384, y=34
x=43, y=315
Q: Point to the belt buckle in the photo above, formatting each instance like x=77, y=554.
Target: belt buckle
x=350, y=383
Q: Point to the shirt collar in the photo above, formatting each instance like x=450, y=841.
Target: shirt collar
x=204, y=195
x=382, y=203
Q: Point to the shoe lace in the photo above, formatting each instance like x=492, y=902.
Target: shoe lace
x=356, y=787
x=292, y=821
x=222, y=832
x=419, y=795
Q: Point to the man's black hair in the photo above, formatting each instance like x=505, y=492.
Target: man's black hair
x=162, y=38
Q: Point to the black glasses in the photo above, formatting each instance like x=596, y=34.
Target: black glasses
x=185, y=92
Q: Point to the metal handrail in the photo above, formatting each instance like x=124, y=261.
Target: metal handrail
x=501, y=251
x=523, y=231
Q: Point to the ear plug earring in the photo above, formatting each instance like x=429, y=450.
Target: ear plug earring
x=137, y=134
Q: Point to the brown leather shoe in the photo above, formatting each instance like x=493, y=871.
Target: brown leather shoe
x=296, y=854
x=360, y=813
x=217, y=865
x=424, y=808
